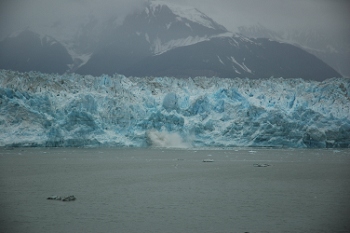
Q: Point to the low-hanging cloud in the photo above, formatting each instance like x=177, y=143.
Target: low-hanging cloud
x=20, y=14
x=328, y=15
x=277, y=14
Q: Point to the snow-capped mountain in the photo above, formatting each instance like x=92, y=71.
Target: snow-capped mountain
x=165, y=39
x=172, y=40
x=157, y=28
x=176, y=26
x=333, y=50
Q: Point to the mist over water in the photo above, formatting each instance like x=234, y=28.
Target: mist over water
x=166, y=139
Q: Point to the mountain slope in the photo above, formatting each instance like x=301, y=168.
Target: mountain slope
x=235, y=56
x=159, y=27
x=29, y=51
x=334, y=50
x=169, y=40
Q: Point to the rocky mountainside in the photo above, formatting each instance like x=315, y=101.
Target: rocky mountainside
x=235, y=56
x=28, y=51
x=332, y=50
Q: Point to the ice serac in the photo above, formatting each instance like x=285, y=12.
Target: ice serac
x=72, y=110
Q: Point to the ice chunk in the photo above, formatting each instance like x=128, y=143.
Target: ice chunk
x=65, y=198
x=170, y=102
x=208, y=160
x=261, y=165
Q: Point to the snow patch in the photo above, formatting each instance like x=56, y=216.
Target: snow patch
x=168, y=25
x=242, y=66
x=159, y=47
x=220, y=60
x=185, y=12
x=188, y=25
x=147, y=38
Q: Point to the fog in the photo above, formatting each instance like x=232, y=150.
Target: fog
x=330, y=16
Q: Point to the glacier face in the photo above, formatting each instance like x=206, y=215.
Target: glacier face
x=72, y=110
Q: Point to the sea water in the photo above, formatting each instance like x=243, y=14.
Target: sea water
x=173, y=190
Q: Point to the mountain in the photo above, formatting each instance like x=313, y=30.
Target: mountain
x=171, y=40
x=29, y=51
x=158, y=28
x=165, y=39
x=235, y=56
x=334, y=50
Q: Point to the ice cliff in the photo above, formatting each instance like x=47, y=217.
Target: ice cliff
x=72, y=110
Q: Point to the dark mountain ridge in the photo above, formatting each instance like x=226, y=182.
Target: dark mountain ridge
x=29, y=51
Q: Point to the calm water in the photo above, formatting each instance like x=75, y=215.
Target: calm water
x=164, y=190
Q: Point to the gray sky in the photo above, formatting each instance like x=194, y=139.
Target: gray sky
x=329, y=15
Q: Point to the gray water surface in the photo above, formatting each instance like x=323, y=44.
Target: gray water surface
x=169, y=190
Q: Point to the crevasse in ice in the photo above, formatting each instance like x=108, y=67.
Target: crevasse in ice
x=72, y=110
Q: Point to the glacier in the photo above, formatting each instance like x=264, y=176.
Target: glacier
x=71, y=110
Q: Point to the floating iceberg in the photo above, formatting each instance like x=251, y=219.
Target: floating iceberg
x=72, y=110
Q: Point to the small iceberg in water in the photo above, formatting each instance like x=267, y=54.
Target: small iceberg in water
x=65, y=198
x=261, y=165
x=208, y=160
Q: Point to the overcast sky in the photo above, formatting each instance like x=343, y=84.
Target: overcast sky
x=330, y=15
